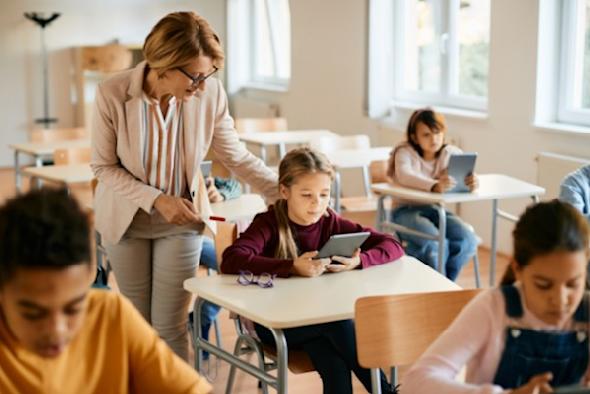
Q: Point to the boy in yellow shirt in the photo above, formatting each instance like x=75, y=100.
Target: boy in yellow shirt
x=56, y=334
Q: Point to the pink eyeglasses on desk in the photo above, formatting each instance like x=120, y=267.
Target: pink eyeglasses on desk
x=264, y=280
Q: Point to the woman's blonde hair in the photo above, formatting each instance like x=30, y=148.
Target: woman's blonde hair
x=296, y=163
x=178, y=39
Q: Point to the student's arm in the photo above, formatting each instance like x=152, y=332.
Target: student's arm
x=246, y=253
x=378, y=249
x=574, y=192
x=154, y=368
x=229, y=188
x=465, y=339
x=406, y=175
x=234, y=155
x=106, y=164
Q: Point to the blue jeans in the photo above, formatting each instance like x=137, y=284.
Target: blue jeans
x=460, y=243
x=209, y=311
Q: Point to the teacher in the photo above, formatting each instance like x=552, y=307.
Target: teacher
x=151, y=129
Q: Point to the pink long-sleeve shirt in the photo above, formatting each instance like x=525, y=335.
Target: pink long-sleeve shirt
x=475, y=339
x=254, y=249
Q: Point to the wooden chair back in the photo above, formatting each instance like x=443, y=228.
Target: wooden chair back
x=72, y=156
x=249, y=125
x=55, y=135
x=396, y=330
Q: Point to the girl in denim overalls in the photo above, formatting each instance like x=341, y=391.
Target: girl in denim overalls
x=530, y=335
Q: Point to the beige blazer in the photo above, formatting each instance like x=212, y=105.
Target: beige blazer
x=116, y=158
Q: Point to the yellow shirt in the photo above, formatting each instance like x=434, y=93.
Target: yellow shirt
x=116, y=351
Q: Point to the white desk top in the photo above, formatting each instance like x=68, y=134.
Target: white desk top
x=299, y=301
x=284, y=137
x=47, y=148
x=68, y=174
x=244, y=207
x=491, y=187
x=354, y=158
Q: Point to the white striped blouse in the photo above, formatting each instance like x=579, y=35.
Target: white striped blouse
x=163, y=160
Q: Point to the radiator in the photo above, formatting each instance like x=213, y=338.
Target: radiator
x=552, y=168
x=247, y=107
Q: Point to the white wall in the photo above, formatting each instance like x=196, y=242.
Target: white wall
x=329, y=48
x=81, y=23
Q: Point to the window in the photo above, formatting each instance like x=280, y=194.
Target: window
x=439, y=52
x=574, y=74
x=259, y=47
x=444, y=47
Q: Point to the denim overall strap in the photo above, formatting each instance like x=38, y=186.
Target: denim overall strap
x=531, y=352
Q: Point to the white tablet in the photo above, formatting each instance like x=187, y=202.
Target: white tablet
x=461, y=165
x=343, y=244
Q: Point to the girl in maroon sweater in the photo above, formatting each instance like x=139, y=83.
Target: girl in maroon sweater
x=284, y=241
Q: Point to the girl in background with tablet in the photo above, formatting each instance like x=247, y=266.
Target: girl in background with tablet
x=531, y=334
x=421, y=163
x=284, y=241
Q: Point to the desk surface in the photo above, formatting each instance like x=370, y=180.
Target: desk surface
x=284, y=137
x=68, y=174
x=47, y=148
x=298, y=301
x=354, y=158
x=491, y=187
x=244, y=207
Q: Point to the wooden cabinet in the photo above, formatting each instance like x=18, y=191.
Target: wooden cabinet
x=91, y=65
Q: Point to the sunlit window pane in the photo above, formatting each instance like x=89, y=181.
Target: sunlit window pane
x=586, y=57
x=473, y=31
x=422, y=54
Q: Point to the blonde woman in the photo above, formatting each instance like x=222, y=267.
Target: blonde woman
x=152, y=127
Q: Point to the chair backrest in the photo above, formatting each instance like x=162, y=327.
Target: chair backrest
x=333, y=143
x=396, y=330
x=225, y=235
x=378, y=171
x=54, y=135
x=72, y=156
x=249, y=125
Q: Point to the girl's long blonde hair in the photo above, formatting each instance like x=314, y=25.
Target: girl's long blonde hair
x=298, y=162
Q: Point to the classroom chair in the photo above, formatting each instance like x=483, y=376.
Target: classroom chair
x=246, y=344
x=395, y=330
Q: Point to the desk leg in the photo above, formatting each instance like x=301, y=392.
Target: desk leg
x=494, y=243
x=282, y=150
x=442, y=233
x=263, y=153
x=282, y=360
x=197, y=332
x=38, y=183
x=367, y=181
x=380, y=214
x=337, y=191
x=17, y=174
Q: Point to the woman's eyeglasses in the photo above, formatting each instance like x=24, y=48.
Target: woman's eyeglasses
x=264, y=280
x=199, y=78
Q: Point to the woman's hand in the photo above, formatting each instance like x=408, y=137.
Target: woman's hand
x=212, y=191
x=538, y=384
x=176, y=210
x=346, y=263
x=472, y=181
x=306, y=265
x=444, y=183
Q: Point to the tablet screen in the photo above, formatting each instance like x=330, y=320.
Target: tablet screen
x=343, y=244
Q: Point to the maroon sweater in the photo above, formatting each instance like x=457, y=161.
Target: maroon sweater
x=255, y=248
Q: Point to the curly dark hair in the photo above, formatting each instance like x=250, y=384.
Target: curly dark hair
x=42, y=229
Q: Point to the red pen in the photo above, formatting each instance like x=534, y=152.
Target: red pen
x=217, y=218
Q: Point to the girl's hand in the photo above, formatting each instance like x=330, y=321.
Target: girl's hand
x=445, y=182
x=347, y=263
x=538, y=384
x=472, y=181
x=176, y=210
x=306, y=265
